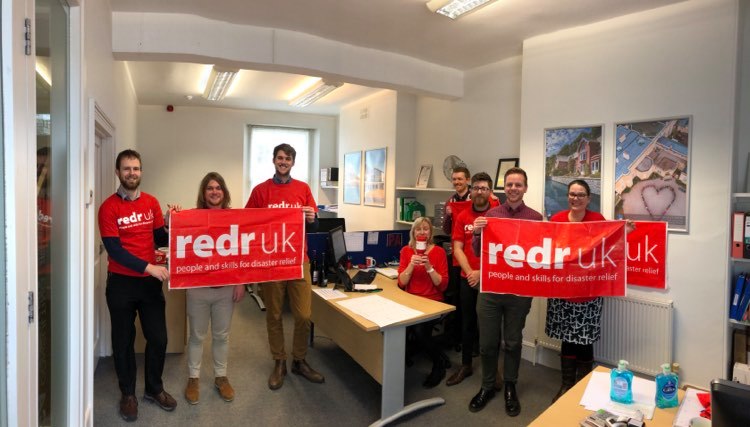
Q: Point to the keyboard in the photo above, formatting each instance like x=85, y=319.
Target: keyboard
x=364, y=277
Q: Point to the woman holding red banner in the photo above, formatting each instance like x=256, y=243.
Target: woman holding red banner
x=575, y=321
x=423, y=271
x=211, y=304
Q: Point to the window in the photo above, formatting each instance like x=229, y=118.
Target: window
x=263, y=139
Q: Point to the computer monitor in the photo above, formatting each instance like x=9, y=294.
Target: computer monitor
x=337, y=251
x=337, y=246
x=325, y=225
x=729, y=404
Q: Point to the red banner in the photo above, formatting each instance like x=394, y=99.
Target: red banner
x=553, y=259
x=647, y=255
x=216, y=247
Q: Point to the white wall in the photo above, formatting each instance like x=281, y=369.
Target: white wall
x=377, y=130
x=479, y=128
x=672, y=61
x=180, y=147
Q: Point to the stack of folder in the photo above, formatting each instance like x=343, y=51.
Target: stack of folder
x=741, y=235
x=738, y=310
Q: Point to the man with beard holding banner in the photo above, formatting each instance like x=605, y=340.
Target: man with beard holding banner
x=130, y=222
x=282, y=191
x=480, y=190
x=502, y=310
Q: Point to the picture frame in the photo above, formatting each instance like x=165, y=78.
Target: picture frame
x=423, y=178
x=353, y=178
x=652, y=161
x=572, y=152
x=502, y=166
x=374, y=187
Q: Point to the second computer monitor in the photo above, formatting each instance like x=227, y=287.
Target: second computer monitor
x=338, y=246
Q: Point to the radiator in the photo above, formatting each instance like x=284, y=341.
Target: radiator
x=635, y=329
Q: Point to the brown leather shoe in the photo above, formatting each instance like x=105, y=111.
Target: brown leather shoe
x=460, y=374
x=225, y=389
x=300, y=367
x=192, y=391
x=129, y=408
x=276, y=380
x=163, y=399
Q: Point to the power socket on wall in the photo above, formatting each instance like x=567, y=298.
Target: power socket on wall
x=364, y=113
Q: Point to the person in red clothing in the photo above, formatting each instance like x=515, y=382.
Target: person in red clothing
x=282, y=191
x=463, y=230
x=131, y=225
x=575, y=321
x=423, y=271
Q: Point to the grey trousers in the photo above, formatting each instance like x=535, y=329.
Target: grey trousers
x=497, y=313
x=204, y=306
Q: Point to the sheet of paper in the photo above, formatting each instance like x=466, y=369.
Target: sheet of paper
x=689, y=408
x=355, y=241
x=326, y=293
x=379, y=310
x=372, y=237
x=596, y=396
x=363, y=287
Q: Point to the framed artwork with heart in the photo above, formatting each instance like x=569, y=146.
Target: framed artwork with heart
x=571, y=153
x=652, y=161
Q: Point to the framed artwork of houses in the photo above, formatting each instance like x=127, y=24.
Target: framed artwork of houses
x=571, y=153
x=652, y=161
x=352, y=177
x=375, y=162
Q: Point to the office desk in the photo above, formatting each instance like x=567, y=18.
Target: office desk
x=567, y=412
x=380, y=351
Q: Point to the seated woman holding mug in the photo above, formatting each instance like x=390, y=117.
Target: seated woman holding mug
x=423, y=271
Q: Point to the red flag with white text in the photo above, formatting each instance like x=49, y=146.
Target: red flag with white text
x=647, y=254
x=553, y=259
x=216, y=247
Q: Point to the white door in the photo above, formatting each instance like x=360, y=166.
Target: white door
x=104, y=187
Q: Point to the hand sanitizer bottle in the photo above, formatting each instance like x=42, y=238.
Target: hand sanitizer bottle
x=666, y=388
x=622, y=383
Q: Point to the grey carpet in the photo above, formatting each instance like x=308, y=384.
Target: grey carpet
x=349, y=396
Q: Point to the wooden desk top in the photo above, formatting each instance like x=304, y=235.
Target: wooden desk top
x=391, y=291
x=568, y=412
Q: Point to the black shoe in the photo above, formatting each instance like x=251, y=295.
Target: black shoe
x=480, y=400
x=512, y=405
x=435, y=377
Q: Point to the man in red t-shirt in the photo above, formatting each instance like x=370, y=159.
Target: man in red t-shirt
x=131, y=225
x=282, y=191
x=463, y=229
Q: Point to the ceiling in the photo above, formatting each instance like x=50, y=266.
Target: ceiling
x=405, y=27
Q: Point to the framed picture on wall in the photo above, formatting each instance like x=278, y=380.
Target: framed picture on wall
x=571, y=153
x=353, y=178
x=375, y=162
x=423, y=178
x=502, y=166
x=652, y=161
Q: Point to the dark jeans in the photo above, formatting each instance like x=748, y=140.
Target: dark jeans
x=126, y=296
x=452, y=296
x=496, y=311
x=468, y=320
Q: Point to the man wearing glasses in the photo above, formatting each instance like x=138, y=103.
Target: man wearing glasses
x=506, y=310
x=463, y=230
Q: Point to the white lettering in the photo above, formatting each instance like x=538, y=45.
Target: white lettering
x=514, y=256
x=225, y=245
x=203, y=245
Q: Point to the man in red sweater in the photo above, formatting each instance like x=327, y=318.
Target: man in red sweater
x=282, y=191
x=131, y=224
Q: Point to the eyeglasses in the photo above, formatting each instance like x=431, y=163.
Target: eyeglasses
x=481, y=189
x=577, y=195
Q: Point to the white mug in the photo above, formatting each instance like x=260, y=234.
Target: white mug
x=369, y=262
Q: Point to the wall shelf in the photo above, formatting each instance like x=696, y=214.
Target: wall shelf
x=439, y=190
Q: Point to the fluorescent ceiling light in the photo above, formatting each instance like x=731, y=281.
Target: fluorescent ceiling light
x=219, y=82
x=455, y=8
x=315, y=93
